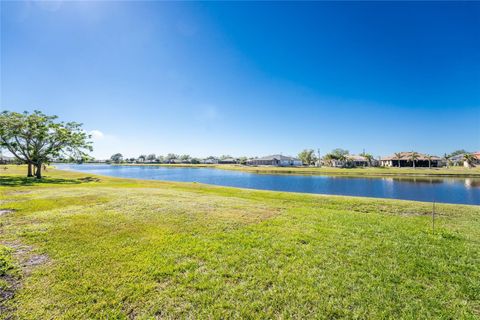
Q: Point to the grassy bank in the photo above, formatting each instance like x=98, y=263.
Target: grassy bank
x=367, y=172
x=79, y=246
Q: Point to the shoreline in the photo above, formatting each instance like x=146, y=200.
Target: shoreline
x=429, y=178
x=377, y=172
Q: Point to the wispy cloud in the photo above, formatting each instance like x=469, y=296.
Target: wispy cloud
x=97, y=135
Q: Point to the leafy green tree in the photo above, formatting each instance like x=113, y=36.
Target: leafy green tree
x=185, y=157
x=307, y=156
x=243, y=160
x=151, y=157
x=142, y=158
x=116, y=158
x=36, y=139
x=171, y=156
x=160, y=159
x=338, y=152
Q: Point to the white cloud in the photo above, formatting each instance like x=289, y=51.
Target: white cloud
x=97, y=134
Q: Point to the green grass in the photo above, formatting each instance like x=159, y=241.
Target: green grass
x=122, y=249
x=367, y=172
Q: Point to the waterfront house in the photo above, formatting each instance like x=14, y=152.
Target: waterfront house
x=277, y=160
x=405, y=160
x=228, y=161
x=477, y=157
x=210, y=160
x=353, y=160
x=459, y=159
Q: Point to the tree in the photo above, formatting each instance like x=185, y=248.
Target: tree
x=369, y=158
x=160, y=159
x=170, y=157
x=414, y=157
x=225, y=156
x=307, y=156
x=243, y=160
x=469, y=159
x=458, y=152
x=398, y=156
x=151, y=157
x=117, y=158
x=35, y=139
x=329, y=158
x=339, y=153
x=429, y=158
x=447, y=157
x=344, y=159
x=185, y=157
x=142, y=158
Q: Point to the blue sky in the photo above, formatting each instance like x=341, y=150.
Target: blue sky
x=249, y=78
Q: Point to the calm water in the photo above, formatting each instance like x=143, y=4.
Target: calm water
x=449, y=190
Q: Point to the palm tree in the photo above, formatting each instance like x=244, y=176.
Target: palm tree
x=328, y=158
x=468, y=158
x=369, y=158
x=414, y=157
x=429, y=158
x=398, y=156
x=343, y=158
x=447, y=159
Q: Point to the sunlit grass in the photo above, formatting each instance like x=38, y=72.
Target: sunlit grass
x=121, y=248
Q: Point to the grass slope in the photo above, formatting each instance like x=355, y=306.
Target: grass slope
x=120, y=249
x=367, y=172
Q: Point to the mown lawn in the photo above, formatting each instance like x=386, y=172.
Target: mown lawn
x=78, y=246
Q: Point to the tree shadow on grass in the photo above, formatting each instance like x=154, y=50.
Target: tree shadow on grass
x=15, y=181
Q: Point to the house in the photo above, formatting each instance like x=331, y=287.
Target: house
x=459, y=159
x=210, y=160
x=277, y=160
x=228, y=161
x=477, y=157
x=353, y=160
x=405, y=160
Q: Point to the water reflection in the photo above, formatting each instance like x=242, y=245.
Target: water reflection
x=450, y=190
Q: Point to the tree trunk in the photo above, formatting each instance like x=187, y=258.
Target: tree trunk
x=38, y=172
x=413, y=161
x=30, y=173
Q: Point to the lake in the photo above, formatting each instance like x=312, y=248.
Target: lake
x=447, y=190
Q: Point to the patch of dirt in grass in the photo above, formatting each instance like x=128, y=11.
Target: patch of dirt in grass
x=26, y=259
x=5, y=211
x=11, y=283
